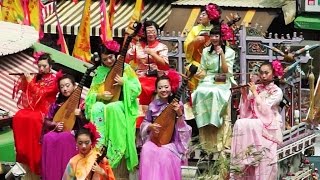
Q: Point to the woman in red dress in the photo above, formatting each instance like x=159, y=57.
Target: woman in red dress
x=38, y=92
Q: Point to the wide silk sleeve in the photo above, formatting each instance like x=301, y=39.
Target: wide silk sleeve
x=90, y=99
x=182, y=135
x=230, y=56
x=107, y=169
x=34, y=88
x=263, y=108
x=188, y=48
x=68, y=173
x=131, y=90
x=145, y=124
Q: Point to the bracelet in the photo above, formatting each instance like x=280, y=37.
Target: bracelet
x=179, y=115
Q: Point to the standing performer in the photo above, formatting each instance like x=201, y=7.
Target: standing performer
x=83, y=166
x=196, y=38
x=163, y=162
x=210, y=99
x=258, y=128
x=115, y=120
x=61, y=144
x=38, y=92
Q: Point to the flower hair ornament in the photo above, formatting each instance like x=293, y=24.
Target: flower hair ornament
x=212, y=11
x=226, y=32
x=93, y=130
x=277, y=68
x=36, y=56
x=59, y=75
x=112, y=45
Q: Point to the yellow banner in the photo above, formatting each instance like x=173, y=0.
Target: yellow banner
x=36, y=20
x=82, y=48
x=136, y=16
x=12, y=11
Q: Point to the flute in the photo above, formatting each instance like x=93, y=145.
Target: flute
x=22, y=73
x=246, y=85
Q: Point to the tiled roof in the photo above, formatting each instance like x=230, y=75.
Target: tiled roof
x=234, y=3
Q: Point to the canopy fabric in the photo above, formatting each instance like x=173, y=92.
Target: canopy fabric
x=70, y=17
x=311, y=22
x=16, y=37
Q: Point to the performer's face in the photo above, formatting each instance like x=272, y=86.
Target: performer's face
x=84, y=144
x=215, y=39
x=163, y=89
x=66, y=87
x=151, y=33
x=43, y=66
x=266, y=73
x=203, y=18
x=108, y=59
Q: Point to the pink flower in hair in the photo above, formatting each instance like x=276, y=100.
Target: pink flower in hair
x=277, y=68
x=213, y=12
x=93, y=130
x=112, y=45
x=226, y=31
x=36, y=56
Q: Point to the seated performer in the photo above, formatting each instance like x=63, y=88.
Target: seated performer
x=58, y=146
x=150, y=59
x=258, y=128
x=196, y=38
x=115, y=120
x=83, y=165
x=210, y=99
x=163, y=162
x=38, y=92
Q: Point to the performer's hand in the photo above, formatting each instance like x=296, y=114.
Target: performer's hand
x=154, y=128
x=29, y=77
x=252, y=87
x=97, y=169
x=219, y=50
x=59, y=126
x=106, y=95
x=118, y=80
x=77, y=112
x=149, y=51
x=177, y=108
x=200, y=39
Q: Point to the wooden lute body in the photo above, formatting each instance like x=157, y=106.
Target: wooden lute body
x=118, y=67
x=167, y=117
x=66, y=112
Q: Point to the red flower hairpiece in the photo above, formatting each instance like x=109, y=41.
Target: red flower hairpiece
x=212, y=11
x=112, y=45
x=227, y=32
x=93, y=130
x=36, y=56
x=277, y=68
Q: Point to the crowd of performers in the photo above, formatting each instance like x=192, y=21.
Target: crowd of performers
x=49, y=152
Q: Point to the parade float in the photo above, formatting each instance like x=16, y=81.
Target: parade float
x=298, y=112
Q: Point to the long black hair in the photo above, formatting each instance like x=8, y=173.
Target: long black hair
x=216, y=30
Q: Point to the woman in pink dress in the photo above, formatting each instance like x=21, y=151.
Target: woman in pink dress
x=164, y=162
x=258, y=133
